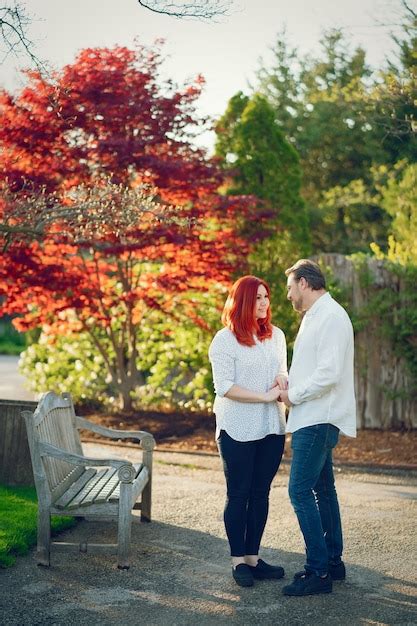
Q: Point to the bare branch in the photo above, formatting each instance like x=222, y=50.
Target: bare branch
x=409, y=9
x=103, y=215
x=14, y=22
x=209, y=10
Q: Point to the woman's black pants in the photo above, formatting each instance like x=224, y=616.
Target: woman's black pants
x=249, y=467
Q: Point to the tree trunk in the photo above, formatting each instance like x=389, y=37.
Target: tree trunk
x=126, y=385
x=125, y=399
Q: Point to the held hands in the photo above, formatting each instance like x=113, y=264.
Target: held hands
x=273, y=394
x=283, y=397
x=281, y=381
x=279, y=391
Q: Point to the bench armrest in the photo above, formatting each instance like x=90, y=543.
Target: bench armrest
x=146, y=440
x=126, y=471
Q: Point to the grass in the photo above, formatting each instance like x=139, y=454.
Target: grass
x=18, y=522
x=11, y=341
x=10, y=348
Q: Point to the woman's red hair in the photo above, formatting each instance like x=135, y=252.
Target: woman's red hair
x=239, y=311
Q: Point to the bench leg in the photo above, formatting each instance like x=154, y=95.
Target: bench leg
x=44, y=538
x=147, y=492
x=125, y=525
x=145, y=515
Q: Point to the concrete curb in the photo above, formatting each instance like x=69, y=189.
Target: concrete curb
x=397, y=470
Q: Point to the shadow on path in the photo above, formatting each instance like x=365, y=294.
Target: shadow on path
x=182, y=577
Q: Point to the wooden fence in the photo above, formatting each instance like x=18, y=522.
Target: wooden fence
x=15, y=463
x=383, y=383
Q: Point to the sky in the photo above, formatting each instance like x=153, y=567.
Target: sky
x=226, y=52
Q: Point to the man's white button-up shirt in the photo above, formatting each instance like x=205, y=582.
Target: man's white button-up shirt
x=321, y=381
x=254, y=368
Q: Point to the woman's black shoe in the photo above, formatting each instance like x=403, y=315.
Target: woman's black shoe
x=243, y=575
x=263, y=571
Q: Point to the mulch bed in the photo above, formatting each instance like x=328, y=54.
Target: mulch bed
x=195, y=432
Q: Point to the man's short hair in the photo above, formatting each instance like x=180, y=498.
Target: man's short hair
x=310, y=271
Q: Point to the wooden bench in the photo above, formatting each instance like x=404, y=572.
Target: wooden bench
x=68, y=483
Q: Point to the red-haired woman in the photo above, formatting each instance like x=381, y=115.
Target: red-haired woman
x=249, y=362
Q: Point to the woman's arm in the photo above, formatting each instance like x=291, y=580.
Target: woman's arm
x=224, y=374
x=245, y=395
x=223, y=366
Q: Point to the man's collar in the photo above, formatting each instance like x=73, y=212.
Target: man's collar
x=319, y=303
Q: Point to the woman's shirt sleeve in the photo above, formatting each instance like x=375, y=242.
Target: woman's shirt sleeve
x=223, y=364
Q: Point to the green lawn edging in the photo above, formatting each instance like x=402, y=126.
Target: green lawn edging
x=18, y=522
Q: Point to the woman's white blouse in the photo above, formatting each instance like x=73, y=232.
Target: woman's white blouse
x=254, y=368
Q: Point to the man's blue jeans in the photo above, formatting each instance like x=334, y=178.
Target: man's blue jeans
x=313, y=495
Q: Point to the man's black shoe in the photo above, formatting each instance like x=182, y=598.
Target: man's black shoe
x=308, y=584
x=263, y=570
x=337, y=572
x=243, y=575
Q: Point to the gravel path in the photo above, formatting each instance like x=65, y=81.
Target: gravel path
x=180, y=572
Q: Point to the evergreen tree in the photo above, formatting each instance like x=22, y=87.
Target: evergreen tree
x=344, y=120
x=399, y=198
x=319, y=104
x=261, y=162
x=392, y=103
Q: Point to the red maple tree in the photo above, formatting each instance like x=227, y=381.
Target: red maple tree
x=132, y=217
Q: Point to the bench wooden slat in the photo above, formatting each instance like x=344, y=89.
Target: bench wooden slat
x=107, y=490
x=116, y=493
x=103, y=511
x=99, y=486
x=81, y=495
x=53, y=430
x=75, y=488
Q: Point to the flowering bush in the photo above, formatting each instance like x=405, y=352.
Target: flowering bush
x=70, y=363
x=172, y=362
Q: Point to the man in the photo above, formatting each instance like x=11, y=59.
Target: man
x=322, y=403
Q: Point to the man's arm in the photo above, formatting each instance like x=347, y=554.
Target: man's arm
x=332, y=342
